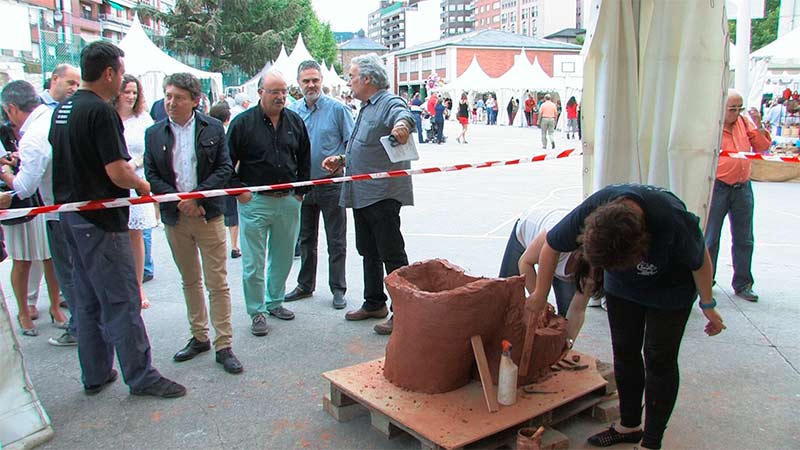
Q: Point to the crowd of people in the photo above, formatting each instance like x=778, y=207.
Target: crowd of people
x=88, y=137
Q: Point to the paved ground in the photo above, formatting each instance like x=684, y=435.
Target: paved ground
x=740, y=390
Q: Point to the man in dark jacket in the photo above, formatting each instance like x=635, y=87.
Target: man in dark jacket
x=187, y=152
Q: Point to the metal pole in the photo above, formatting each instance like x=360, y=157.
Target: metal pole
x=742, y=82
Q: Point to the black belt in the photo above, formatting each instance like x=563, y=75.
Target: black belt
x=734, y=186
x=275, y=193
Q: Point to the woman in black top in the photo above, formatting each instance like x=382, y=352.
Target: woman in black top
x=463, y=118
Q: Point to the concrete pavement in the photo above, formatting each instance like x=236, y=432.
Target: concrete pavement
x=739, y=390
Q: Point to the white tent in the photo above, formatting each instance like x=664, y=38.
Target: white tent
x=643, y=120
x=473, y=79
x=150, y=64
x=521, y=77
x=783, y=51
x=333, y=80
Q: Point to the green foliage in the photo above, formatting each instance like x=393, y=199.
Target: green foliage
x=762, y=31
x=244, y=33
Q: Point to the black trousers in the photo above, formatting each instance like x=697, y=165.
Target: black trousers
x=380, y=244
x=635, y=327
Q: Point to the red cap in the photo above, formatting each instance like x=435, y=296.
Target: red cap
x=506, y=346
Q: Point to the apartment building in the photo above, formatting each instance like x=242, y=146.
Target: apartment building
x=536, y=18
x=458, y=17
x=401, y=24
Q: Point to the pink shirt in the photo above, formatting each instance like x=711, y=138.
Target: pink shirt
x=744, y=137
x=548, y=110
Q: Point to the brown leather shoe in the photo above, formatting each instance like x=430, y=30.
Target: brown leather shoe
x=385, y=328
x=361, y=314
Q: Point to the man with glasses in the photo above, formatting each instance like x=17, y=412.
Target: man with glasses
x=376, y=203
x=271, y=145
x=733, y=194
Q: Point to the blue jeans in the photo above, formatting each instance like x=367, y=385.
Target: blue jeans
x=62, y=263
x=418, y=120
x=107, y=305
x=736, y=202
x=323, y=199
x=563, y=290
x=147, y=234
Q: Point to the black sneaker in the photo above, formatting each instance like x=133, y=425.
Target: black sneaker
x=96, y=388
x=748, y=294
x=281, y=313
x=163, y=388
x=612, y=437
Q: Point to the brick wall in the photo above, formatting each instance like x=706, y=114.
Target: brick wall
x=496, y=62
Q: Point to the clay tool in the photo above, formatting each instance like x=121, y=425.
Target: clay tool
x=527, y=346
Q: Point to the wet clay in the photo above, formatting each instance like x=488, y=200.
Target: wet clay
x=437, y=308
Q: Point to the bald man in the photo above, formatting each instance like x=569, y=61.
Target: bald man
x=269, y=221
x=63, y=83
x=733, y=194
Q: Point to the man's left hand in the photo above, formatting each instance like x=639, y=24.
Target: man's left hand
x=400, y=132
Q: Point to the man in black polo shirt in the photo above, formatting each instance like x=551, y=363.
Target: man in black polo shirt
x=271, y=145
x=90, y=162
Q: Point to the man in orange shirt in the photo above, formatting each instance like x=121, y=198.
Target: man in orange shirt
x=547, y=121
x=733, y=194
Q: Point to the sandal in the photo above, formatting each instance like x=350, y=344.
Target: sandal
x=32, y=331
x=611, y=437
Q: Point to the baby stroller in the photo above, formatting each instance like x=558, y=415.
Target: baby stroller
x=430, y=128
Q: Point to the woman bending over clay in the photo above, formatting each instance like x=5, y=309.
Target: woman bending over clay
x=574, y=281
x=655, y=264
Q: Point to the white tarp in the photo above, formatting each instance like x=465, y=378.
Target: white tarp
x=23, y=421
x=642, y=117
x=521, y=77
x=151, y=65
x=16, y=27
x=332, y=79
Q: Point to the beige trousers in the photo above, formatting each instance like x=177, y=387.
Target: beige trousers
x=185, y=239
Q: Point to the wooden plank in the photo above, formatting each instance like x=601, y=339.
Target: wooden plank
x=489, y=393
x=527, y=346
x=459, y=418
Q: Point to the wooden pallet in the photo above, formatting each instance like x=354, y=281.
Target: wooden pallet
x=460, y=419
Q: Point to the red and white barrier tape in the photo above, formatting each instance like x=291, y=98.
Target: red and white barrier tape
x=119, y=202
x=747, y=155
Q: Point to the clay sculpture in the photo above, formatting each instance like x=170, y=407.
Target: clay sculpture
x=437, y=308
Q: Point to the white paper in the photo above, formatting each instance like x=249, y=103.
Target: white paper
x=400, y=152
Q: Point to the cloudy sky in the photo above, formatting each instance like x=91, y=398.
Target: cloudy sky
x=344, y=15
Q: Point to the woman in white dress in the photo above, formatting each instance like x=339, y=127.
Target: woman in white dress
x=131, y=107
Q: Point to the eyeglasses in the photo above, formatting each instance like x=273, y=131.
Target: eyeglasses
x=736, y=109
x=276, y=91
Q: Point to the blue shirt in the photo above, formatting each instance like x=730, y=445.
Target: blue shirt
x=329, y=124
x=48, y=100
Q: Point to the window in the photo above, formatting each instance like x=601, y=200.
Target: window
x=414, y=65
x=459, y=7
x=86, y=12
x=496, y=5
x=568, y=67
x=496, y=19
x=441, y=60
x=451, y=8
x=402, y=66
x=427, y=62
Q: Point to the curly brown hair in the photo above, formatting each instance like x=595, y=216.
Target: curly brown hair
x=139, y=105
x=615, y=236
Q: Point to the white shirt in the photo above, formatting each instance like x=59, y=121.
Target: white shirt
x=537, y=219
x=184, y=158
x=36, y=157
x=135, y=126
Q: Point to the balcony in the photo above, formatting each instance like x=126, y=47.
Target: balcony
x=113, y=18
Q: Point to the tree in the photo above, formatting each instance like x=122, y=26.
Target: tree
x=762, y=31
x=244, y=33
